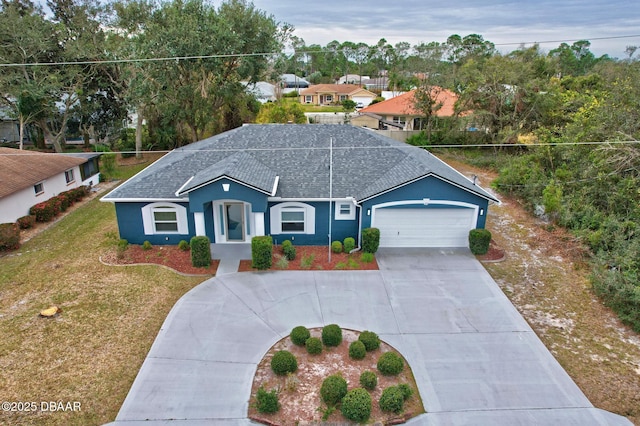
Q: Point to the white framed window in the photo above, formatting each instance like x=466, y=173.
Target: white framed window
x=68, y=176
x=343, y=98
x=292, y=218
x=38, y=188
x=345, y=211
x=308, y=99
x=328, y=98
x=165, y=218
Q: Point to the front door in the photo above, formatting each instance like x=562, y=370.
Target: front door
x=234, y=221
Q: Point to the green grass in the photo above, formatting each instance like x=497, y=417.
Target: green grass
x=110, y=315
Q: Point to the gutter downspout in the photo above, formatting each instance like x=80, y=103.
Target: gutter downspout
x=359, y=247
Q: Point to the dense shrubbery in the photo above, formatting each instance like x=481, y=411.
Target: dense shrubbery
x=336, y=247
x=479, y=240
x=47, y=210
x=284, y=362
x=370, y=340
x=390, y=364
x=313, y=345
x=267, y=402
x=288, y=250
x=9, y=236
x=368, y=380
x=183, y=245
x=357, y=350
x=370, y=240
x=261, y=252
x=200, y=252
x=356, y=405
x=299, y=335
x=333, y=389
x=349, y=244
x=331, y=335
x=26, y=222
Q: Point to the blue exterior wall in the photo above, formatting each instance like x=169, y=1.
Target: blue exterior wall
x=432, y=188
x=200, y=198
x=340, y=229
x=131, y=227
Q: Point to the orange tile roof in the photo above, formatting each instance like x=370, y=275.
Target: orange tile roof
x=404, y=104
x=22, y=169
x=343, y=89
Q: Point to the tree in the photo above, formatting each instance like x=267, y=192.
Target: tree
x=281, y=112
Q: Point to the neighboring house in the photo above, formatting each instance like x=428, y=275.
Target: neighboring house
x=352, y=79
x=292, y=81
x=28, y=178
x=263, y=91
x=288, y=181
x=328, y=94
x=400, y=113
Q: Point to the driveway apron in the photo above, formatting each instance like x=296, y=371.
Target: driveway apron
x=476, y=361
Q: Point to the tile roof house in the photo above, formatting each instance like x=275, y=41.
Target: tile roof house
x=399, y=113
x=289, y=181
x=327, y=94
x=28, y=178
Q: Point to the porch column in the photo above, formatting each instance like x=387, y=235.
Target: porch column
x=259, y=221
x=198, y=218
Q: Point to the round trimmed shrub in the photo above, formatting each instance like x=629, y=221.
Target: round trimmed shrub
x=349, y=244
x=336, y=247
x=331, y=335
x=299, y=335
x=368, y=380
x=333, y=389
x=370, y=340
x=284, y=362
x=356, y=405
x=267, y=402
x=391, y=400
x=390, y=364
x=479, y=240
x=406, y=390
x=314, y=345
x=288, y=250
x=147, y=245
x=370, y=240
x=357, y=350
x=183, y=245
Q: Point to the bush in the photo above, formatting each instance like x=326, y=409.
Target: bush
x=479, y=240
x=356, y=405
x=123, y=244
x=63, y=202
x=299, y=335
x=147, y=245
x=370, y=240
x=9, y=236
x=333, y=389
x=390, y=364
x=288, y=250
x=391, y=400
x=368, y=380
x=370, y=340
x=357, y=350
x=261, y=252
x=349, y=244
x=45, y=211
x=267, y=402
x=331, y=335
x=284, y=362
x=336, y=247
x=200, y=252
x=26, y=222
x=406, y=390
x=366, y=257
x=183, y=245
x=314, y=345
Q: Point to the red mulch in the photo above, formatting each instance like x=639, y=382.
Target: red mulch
x=320, y=260
x=495, y=254
x=170, y=256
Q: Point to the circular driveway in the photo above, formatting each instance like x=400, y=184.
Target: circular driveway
x=475, y=360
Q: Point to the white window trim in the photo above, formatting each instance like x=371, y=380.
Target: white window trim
x=342, y=216
x=308, y=99
x=275, y=213
x=150, y=224
x=68, y=173
x=36, y=190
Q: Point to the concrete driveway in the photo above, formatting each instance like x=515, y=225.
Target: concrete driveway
x=476, y=361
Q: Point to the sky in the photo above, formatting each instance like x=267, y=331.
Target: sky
x=507, y=24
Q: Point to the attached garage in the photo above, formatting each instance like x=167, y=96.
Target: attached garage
x=424, y=227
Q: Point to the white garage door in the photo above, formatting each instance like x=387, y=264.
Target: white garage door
x=401, y=227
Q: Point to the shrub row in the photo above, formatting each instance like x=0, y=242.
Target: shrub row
x=47, y=210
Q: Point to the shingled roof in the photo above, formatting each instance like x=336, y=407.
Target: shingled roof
x=405, y=104
x=21, y=169
x=364, y=164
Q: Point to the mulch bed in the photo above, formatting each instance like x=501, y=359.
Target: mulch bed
x=169, y=256
x=495, y=254
x=339, y=261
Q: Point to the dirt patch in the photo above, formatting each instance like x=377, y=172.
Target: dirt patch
x=170, y=256
x=546, y=276
x=299, y=394
x=314, y=258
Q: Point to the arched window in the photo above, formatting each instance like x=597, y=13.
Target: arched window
x=293, y=218
x=165, y=218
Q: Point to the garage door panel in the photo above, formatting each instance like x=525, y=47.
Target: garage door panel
x=406, y=227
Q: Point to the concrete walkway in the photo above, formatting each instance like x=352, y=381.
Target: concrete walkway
x=476, y=361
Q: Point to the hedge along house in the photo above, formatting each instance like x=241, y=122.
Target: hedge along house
x=289, y=181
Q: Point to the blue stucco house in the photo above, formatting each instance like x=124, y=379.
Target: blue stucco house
x=289, y=181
